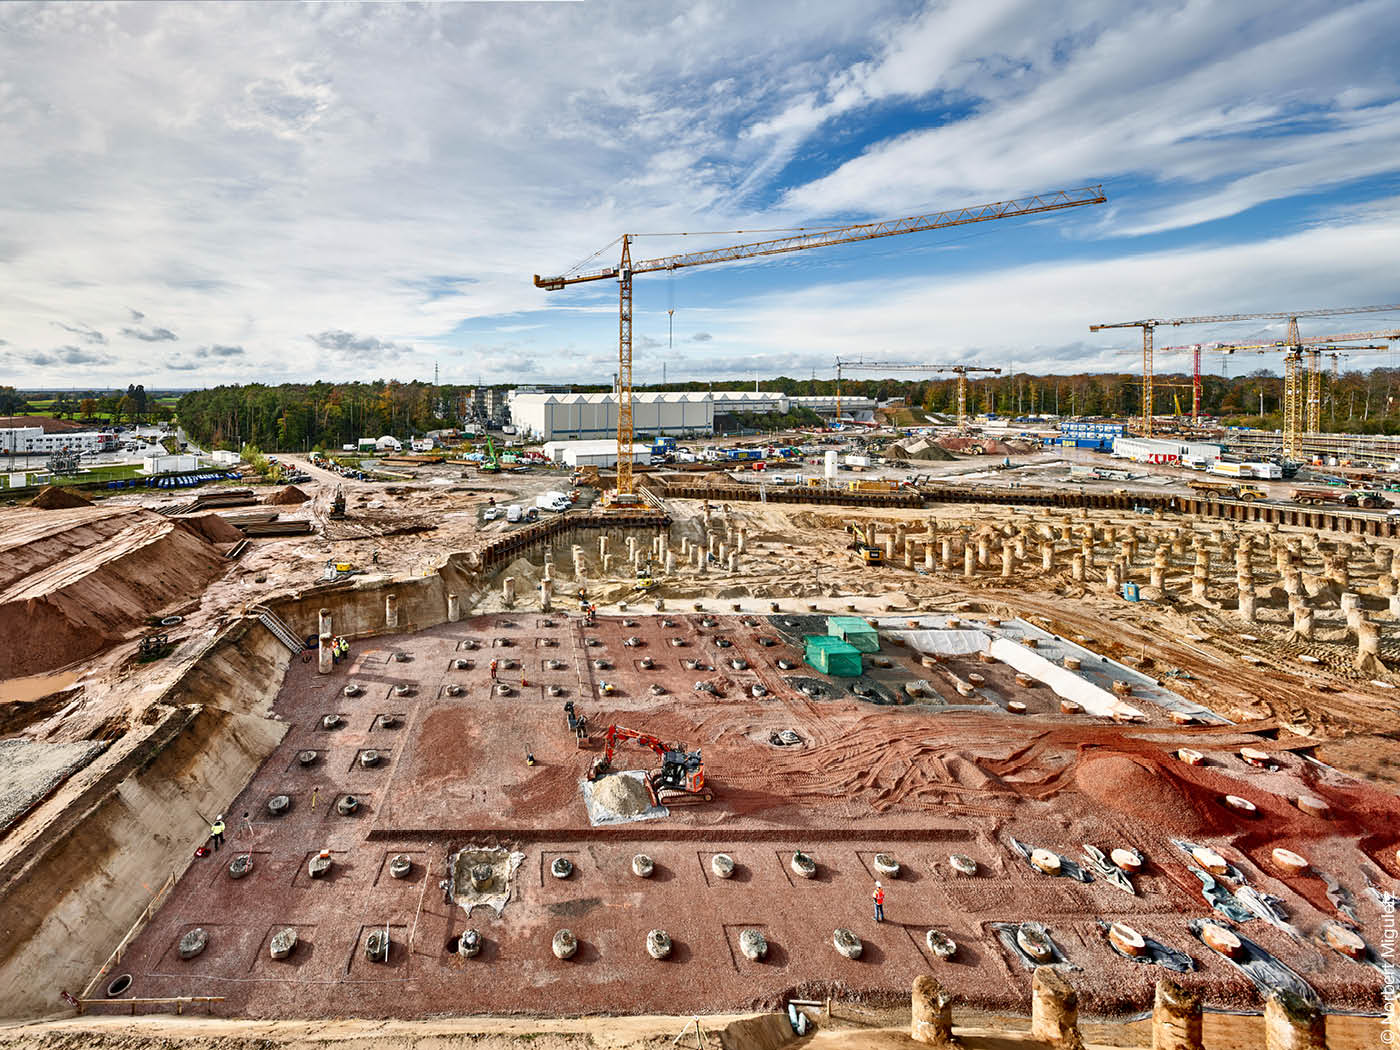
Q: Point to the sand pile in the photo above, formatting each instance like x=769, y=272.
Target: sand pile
x=74, y=582
x=213, y=527
x=621, y=795
x=55, y=497
x=287, y=497
x=1123, y=784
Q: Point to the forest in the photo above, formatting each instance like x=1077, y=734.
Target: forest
x=302, y=416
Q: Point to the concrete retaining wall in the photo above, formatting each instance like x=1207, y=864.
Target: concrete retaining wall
x=66, y=911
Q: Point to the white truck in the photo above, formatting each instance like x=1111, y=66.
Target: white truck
x=556, y=501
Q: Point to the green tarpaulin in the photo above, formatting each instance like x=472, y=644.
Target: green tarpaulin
x=854, y=631
x=832, y=656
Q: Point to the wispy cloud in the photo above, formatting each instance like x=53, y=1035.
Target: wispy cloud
x=150, y=335
x=324, y=176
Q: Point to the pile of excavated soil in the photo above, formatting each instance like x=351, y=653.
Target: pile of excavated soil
x=1119, y=783
x=55, y=497
x=622, y=796
x=212, y=527
x=287, y=497
x=74, y=582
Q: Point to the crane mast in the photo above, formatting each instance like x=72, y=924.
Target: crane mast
x=801, y=240
x=1148, y=326
x=961, y=371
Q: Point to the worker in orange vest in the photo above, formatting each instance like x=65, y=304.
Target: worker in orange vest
x=494, y=665
x=879, y=898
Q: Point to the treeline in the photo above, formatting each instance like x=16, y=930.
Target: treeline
x=301, y=416
x=297, y=417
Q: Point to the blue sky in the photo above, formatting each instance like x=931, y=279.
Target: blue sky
x=201, y=193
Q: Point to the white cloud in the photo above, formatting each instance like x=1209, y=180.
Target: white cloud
x=386, y=178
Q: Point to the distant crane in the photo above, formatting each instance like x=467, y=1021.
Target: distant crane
x=1148, y=326
x=800, y=240
x=961, y=371
x=1293, y=403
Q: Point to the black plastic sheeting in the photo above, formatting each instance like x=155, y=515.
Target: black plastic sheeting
x=1266, y=972
x=1006, y=933
x=1157, y=953
x=1068, y=868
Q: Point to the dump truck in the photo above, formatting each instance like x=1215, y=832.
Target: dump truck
x=1226, y=489
x=1318, y=496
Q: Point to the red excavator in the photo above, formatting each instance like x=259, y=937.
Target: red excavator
x=682, y=772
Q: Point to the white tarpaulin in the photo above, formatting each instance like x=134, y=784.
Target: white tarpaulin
x=1066, y=684
x=945, y=643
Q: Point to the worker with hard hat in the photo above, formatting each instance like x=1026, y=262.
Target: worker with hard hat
x=216, y=831
x=879, y=898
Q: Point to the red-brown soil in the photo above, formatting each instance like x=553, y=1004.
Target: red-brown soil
x=913, y=781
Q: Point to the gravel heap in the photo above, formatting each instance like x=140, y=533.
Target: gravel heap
x=621, y=796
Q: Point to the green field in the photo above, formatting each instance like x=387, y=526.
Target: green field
x=114, y=472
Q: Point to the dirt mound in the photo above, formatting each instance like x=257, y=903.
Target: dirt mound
x=74, y=582
x=1141, y=789
x=287, y=497
x=212, y=527
x=54, y=497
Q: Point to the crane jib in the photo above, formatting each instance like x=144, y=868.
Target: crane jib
x=1046, y=202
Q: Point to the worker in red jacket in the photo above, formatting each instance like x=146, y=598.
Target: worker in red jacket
x=879, y=898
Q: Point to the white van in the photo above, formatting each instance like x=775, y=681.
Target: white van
x=556, y=501
x=514, y=512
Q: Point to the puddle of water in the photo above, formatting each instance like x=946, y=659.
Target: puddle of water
x=18, y=690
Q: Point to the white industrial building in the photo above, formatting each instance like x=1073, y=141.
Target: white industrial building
x=675, y=413
x=222, y=457
x=1164, y=450
x=545, y=417
x=592, y=453
x=169, y=464
x=33, y=441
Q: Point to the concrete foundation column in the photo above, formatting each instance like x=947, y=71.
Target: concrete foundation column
x=325, y=660
x=908, y=554
x=1019, y=546
x=1292, y=582
x=323, y=621
x=670, y=563
x=983, y=549
x=899, y=530
x=1008, y=560
x=391, y=611
x=1047, y=556
x=1302, y=622
x=454, y=609
x=546, y=595
x=743, y=540
x=1158, y=577
x=1291, y=1023
x=889, y=549
x=508, y=590
x=1246, y=606
x=931, y=1013
x=607, y=563
x=969, y=561
x=1199, y=580
x=702, y=562
x=1176, y=1018
x=1076, y=568
x=1054, y=1010
x=928, y=557
x=1111, y=578
x=712, y=543
x=723, y=553
x=1368, y=647
x=946, y=551
x=602, y=546
x=733, y=562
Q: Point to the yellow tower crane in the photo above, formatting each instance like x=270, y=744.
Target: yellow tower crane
x=961, y=371
x=800, y=240
x=1302, y=411
x=1148, y=326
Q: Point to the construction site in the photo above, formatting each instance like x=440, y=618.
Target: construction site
x=995, y=753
